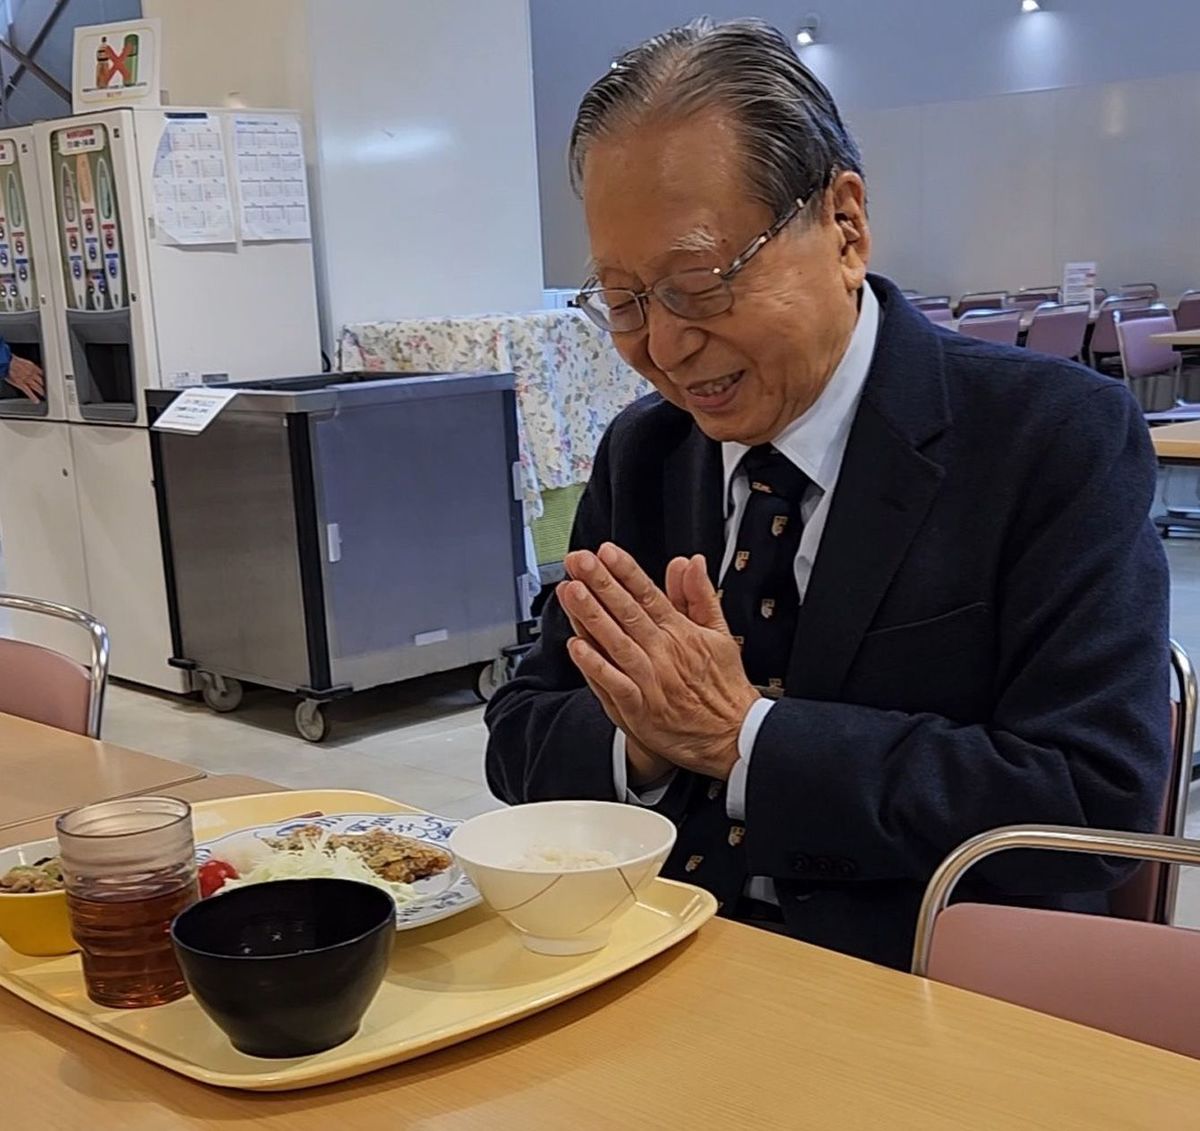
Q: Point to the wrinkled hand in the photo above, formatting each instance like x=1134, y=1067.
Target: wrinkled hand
x=24, y=375
x=663, y=665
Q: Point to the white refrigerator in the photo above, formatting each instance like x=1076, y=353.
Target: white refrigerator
x=179, y=254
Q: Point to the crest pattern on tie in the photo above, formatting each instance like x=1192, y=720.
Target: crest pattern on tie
x=758, y=594
x=761, y=604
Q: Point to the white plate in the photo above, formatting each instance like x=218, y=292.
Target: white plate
x=438, y=897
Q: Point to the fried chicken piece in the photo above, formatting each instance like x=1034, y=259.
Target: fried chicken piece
x=399, y=859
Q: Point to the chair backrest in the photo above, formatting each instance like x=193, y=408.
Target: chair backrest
x=929, y=302
x=1138, y=980
x=1149, y=894
x=1099, y=294
x=1139, y=290
x=43, y=685
x=939, y=314
x=1058, y=330
x=1104, y=333
x=1187, y=313
x=910, y=294
x=1027, y=298
x=992, y=325
x=1141, y=356
x=981, y=300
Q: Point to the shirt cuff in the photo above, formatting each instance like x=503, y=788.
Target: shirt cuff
x=648, y=797
x=735, y=793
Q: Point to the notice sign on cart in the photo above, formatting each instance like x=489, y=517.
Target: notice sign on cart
x=116, y=65
x=194, y=410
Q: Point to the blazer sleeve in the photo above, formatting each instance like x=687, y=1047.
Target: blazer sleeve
x=548, y=736
x=1079, y=733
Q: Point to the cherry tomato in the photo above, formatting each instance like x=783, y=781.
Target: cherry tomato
x=213, y=874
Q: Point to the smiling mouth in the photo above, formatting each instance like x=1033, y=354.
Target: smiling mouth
x=714, y=390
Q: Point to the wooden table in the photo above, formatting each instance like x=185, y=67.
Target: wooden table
x=736, y=1028
x=1177, y=443
x=1182, y=338
x=202, y=789
x=733, y=1028
x=45, y=771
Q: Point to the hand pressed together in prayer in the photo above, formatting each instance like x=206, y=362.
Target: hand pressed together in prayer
x=663, y=665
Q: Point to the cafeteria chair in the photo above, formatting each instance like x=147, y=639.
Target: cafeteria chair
x=981, y=300
x=1135, y=979
x=1029, y=298
x=930, y=302
x=1187, y=313
x=1139, y=290
x=1001, y=326
x=1059, y=330
x=1187, y=317
x=1151, y=369
x=1104, y=347
x=1149, y=893
x=942, y=315
x=43, y=685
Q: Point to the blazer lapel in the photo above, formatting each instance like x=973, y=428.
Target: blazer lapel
x=884, y=491
x=693, y=513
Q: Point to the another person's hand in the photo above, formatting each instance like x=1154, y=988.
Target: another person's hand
x=23, y=374
x=664, y=667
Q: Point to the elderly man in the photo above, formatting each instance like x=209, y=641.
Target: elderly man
x=850, y=588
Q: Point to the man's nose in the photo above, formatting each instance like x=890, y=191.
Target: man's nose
x=670, y=340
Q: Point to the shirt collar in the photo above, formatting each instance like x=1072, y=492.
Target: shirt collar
x=816, y=441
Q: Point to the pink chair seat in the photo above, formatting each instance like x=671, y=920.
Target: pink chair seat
x=1138, y=980
x=45, y=686
x=1001, y=326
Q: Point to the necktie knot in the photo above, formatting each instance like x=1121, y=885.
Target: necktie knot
x=772, y=473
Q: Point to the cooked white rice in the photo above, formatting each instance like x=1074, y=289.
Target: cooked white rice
x=542, y=857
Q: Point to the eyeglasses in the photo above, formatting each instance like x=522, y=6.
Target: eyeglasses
x=696, y=294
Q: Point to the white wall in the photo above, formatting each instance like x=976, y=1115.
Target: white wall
x=234, y=52
x=253, y=53
x=999, y=193
x=424, y=116
x=973, y=64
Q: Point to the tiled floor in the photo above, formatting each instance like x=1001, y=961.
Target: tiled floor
x=423, y=741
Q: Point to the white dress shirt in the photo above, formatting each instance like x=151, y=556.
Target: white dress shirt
x=816, y=444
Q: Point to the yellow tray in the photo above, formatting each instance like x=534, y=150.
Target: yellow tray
x=448, y=981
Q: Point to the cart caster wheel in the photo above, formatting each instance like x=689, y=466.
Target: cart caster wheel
x=491, y=676
x=222, y=694
x=311, y=723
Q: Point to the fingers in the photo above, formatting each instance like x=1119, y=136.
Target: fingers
x=609, y=683
x=675, y=593
x=625, y=607
x=703, y=604
x=634, y=580
x=596, y=625
x=27, y=377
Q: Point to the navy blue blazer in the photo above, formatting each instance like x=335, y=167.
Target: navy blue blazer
x=983, y=641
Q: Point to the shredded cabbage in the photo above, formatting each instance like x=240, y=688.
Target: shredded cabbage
x=316, y=860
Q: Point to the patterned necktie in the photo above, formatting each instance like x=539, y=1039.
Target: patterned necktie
x=762, y=605
x=758, y=594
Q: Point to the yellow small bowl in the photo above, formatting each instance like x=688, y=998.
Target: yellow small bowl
x=35, y=923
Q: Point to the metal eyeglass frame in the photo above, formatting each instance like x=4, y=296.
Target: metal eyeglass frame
x=580, y=301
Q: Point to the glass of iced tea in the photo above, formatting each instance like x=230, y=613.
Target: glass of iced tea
x=129, y=867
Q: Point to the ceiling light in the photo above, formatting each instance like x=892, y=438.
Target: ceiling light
x=1031, y=6
x=806, y=34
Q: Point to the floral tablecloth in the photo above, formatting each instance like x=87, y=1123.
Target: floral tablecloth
x=570, y=380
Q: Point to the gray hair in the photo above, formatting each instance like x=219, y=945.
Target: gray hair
x=793, y=139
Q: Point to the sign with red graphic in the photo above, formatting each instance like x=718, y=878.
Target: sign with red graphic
x=116, y=65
